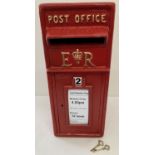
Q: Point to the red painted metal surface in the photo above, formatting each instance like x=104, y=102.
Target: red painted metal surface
x=86, y=27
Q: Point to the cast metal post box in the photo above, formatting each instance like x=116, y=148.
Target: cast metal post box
x=77, y=39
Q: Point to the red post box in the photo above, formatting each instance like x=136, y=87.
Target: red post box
x=77, y=39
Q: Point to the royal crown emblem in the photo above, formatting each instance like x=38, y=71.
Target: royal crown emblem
x=77, y=55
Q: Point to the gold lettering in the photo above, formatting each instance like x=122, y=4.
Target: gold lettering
x=58, y=18
x=88, y=58
x=77, y=19
x=82, y=18
x=93, y=18
x=49, y=18
x=61, y=19
x=103, y=18
x=65, y=59
x=55, y=19
x=66, y=17
x=88, y=18
x=97, y=18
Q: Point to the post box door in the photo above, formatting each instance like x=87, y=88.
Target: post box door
x=90, y=113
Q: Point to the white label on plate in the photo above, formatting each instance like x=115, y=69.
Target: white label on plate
x=78, y=106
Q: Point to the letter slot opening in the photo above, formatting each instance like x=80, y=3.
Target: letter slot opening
x=80, y=35
x=91, y=40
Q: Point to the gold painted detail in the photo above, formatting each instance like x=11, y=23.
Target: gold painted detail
x=77, y=18
x=58, y=18
x=90, y=18
x=77, y=56
x=65, y=59
x=88, y=59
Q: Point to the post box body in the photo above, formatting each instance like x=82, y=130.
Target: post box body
x=77, y=39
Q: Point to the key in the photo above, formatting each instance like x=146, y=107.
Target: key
x=100, y=143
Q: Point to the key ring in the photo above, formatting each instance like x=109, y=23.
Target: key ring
x=100, y=144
